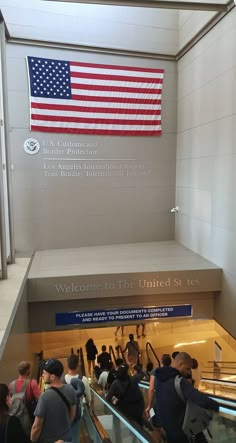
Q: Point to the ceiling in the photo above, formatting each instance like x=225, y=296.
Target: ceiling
x=145, y=30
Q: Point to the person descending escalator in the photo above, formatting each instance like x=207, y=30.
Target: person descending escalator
x=132, y=347
x=126, y=395
x=91, y=351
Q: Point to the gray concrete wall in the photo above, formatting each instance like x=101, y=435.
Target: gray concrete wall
x=206, y=160
x=58, y=212
x=190, y=23
x=17, y=347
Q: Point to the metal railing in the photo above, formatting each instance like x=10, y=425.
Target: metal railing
x=81, y=361
x=148, y=348
x=112, y=354
x=120, y=353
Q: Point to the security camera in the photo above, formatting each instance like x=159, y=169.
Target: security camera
x=176, y=209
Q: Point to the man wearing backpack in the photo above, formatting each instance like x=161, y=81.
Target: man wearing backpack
x=24, y=395
x=170, y=405
x=56, y=407
x=82, y=389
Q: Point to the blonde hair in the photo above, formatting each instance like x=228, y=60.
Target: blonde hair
x=23, y=367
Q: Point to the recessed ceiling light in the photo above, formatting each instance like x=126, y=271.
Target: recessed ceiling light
x=179, y=345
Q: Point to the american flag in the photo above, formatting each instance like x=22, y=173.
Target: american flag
x=89, y=98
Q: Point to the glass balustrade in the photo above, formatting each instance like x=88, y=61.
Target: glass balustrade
x=223, y=426
x=118, y=428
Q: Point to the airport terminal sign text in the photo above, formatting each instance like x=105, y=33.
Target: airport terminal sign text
x=123, y=315
x=125, y=284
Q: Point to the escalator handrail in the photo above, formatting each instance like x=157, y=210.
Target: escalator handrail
x=218, y=369
x=39, y=370
x=112, y=353
x=119, y=349
x=137, y=430
x=149, y=345
x=221, y=362
x=222, y=401
x=222, y=373
x=81, y=358
x=213, y=368
x=217, y=381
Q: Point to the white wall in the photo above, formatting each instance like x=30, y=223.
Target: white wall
x=53, y=212
x=206, y=156
x=190, y=23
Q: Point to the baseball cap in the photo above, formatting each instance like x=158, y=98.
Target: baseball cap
x=53, y=366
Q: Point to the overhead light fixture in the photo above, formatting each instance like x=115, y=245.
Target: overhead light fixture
x=198, y=342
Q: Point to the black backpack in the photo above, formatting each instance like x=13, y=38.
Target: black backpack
x=111, y=377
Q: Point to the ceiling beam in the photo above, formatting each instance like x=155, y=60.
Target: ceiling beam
x=205, y=29
x=161, y=4
x=85, y=48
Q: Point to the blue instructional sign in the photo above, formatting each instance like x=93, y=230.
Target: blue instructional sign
x=123, y=315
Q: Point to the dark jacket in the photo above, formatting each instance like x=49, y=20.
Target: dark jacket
x=15, y=433
x=103, y=360
x=171, y=408
x=130, y=398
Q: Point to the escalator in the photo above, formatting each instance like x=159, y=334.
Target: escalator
x=104, y=423
x=147, y=354
x=151, y=355
x=223, y=426
x=118, y=427
x=117, y=353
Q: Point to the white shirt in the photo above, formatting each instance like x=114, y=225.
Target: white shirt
x=103, y=379
x=86, y=398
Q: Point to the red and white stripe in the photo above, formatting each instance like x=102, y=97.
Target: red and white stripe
x=106, y=99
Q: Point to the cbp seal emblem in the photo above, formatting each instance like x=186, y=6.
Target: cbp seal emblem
x=31, y=146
